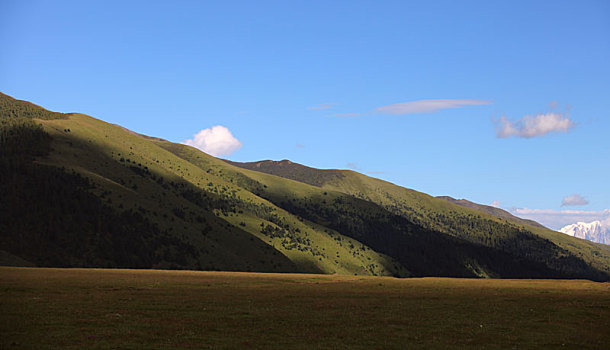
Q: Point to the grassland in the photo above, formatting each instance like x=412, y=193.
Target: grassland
x=132, y=309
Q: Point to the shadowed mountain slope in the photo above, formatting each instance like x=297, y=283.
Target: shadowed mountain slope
x=77, y=191
x=506, y=233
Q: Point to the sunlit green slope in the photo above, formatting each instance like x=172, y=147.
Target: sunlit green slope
x=511, y=235
x=176, y=214
x=77, y=191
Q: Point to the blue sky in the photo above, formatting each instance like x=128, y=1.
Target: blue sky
x=308, y=81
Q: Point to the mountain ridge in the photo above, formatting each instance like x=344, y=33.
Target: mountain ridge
x=497, y=212
x=83, y=192
x=418, y=207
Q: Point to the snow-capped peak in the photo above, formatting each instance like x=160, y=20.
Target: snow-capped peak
x=596, y=231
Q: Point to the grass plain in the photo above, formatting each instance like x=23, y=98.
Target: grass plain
x=43, y=308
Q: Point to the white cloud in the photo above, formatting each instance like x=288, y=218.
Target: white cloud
x=574, y=199
x=557, y=219
x=216, y=141
x=532, y=126
x=495, y=204
x=427, y=106
x=326, y=105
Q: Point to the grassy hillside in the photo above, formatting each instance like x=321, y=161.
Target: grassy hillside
x=423, y=251
x=510, y=235
x=150, y=208
x=81, y=192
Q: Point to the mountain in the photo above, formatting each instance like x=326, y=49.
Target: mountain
x=519, y=238
x=493, y=211
x=596, y=231
x=77, y=191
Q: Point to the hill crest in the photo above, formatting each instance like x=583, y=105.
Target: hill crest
x=102, y=196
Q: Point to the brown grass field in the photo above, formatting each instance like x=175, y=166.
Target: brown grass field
x=147, y=309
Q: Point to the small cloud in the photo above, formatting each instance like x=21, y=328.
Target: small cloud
x=495, y=204
x=353, y=165
x=428, y=106
x=574, y=199
x=345, y=115
x=553, y=104
x=533, y=126
x=216, y=141
x=300, y=146
x=327, y=105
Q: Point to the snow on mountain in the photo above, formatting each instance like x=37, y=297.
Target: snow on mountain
x=596, y=231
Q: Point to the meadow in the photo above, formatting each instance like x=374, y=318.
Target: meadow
x=44, y=308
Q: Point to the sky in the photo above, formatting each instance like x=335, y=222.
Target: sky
x=502, y=103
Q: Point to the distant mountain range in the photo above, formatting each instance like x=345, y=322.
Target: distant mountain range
x=79, y=192
x=596, y=231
